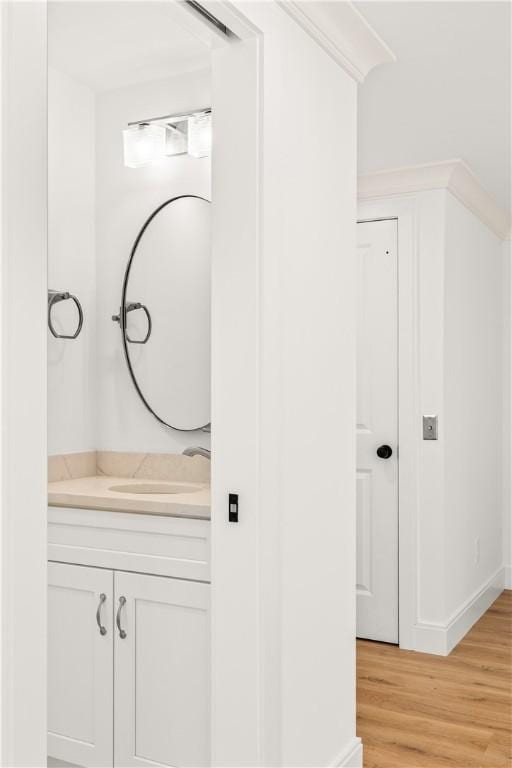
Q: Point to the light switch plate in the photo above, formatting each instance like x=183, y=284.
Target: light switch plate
x=430, y=427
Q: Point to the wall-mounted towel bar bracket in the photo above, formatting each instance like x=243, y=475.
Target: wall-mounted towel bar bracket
x=54, y=297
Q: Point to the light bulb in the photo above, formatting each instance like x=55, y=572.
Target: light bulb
x=144, y=144
x=200, y=135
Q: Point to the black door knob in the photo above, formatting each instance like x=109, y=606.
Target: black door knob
x=384, y=451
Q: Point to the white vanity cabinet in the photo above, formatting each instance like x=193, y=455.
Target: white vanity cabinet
x=128, y=655
x=161, y=672
x=80, y=664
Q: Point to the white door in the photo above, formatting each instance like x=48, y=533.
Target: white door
x=377, y=432
x=162, y=696
x=80, y=664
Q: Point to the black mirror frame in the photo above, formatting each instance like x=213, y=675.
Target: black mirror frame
x=123, y=315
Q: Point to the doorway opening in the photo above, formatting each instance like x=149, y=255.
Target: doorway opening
x=129, y=183
x=390, y=225
x=377, y=430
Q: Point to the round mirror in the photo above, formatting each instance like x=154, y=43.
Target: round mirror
x=165, y=315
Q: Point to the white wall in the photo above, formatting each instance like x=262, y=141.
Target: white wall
x=71, y=264
x=284, y=400
x=473, y=404
x=96, y=208
x=440, y=101
x=309, y=288
x=507, y=413
x=431, y=526
x=124, y=199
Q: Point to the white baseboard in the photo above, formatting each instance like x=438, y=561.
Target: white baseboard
x=52, y=762
x=351, y=756
x=441, y=639
x=428, y=638
x=462, y=621
x=508, y=577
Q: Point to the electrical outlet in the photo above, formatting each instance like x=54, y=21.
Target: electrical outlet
x=477, y=550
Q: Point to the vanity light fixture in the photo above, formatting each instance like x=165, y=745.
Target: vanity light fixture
x=146, y=142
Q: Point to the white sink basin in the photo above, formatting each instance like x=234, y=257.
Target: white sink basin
x=154, y=487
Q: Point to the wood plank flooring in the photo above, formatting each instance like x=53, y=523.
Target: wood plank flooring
x=415, y=710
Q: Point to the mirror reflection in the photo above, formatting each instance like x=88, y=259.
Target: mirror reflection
x=166, y=300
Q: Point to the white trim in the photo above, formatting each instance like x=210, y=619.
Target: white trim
x=453, y=175
x=23, y=368
x=404, y=209
x=441, y=639
x=507, y=577
x=472, y=609
x=236, y=172
x=4, y=570
x=351, y=756
x=428, y=638
x=343, y=33
x=507, y=414
x=156, y=544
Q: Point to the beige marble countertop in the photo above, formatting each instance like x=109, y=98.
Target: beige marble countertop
x=94, y=493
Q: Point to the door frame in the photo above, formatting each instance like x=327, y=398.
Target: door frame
x=23, y=376
x=403, y=210
x=23, y=404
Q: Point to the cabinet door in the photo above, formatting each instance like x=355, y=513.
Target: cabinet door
x=80, y=664
x=161, y=680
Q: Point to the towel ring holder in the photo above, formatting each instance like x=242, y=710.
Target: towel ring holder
x=54, y=297
x=130, y=307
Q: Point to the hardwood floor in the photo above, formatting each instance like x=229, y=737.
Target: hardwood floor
x=415, y=710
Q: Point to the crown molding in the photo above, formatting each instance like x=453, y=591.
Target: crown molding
x=453, y=175
x=342, y=32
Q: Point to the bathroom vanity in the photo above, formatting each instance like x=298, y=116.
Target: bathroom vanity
x=128, y=622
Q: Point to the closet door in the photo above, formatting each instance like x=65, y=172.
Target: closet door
x=161, y=687
x=80, y=664
x=377, y=431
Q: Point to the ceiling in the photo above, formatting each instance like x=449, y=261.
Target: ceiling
x=109, y=45
x=447, y=96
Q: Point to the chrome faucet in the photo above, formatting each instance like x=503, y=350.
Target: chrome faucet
x=198, y=451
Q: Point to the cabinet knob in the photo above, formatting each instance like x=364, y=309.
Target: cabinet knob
x=384, y=451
